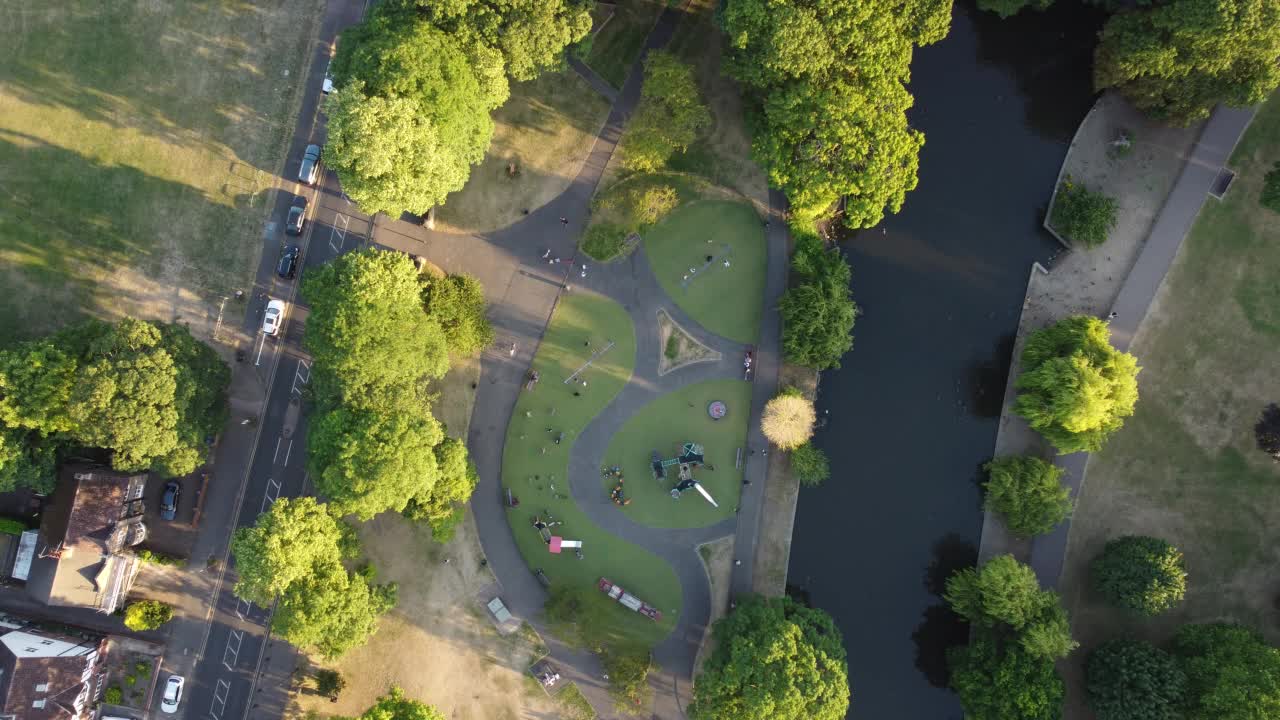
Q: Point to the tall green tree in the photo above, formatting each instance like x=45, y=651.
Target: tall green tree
x=368, y=332
x=36, y=381
x=457, y=303
x=411, y=112
x=1177, y=59
x=395, y=706
x=284, y=547
x=773, y=658
x=1134, y=680
x=1027, y=493
x=828, y=80
x=369, y=461
x=1232, y=673
x=1139, y=573
x=530, y=34
x=444, y=506
x=669, y=116
x=332, y=610
x=1004, y=597
x=1075, y=388
x=200, y=397
x=817, y=311
x=996, y=681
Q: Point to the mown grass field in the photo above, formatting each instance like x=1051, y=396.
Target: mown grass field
x=664, y=425
x=1185, y=467
x=137, y=145
x=535, y=468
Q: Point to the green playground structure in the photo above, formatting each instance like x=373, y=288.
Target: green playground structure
x=690, y=457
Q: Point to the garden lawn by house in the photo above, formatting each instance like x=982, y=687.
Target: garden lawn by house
x=725, y=301
x=531, y=474
x=547, y=129
x=139, y=143
x=1185, y=467
x=664, y=425
x=615, y=48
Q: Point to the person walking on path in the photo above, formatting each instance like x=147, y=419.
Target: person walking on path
x=564, y=220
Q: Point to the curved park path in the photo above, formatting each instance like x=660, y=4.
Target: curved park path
x=522, y=290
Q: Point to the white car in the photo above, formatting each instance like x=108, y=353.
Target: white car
x=172, y=694
x=273, y=318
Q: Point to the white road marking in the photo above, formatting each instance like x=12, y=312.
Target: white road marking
x=288, y=451
x=301, y=376
x=262, y=342
x=242, y=608
x=270, y=494
x=276, y=455
x=341, y=233
x=238, y=637
x=219, y=698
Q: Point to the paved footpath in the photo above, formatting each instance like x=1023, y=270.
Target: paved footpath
x=1209, y=156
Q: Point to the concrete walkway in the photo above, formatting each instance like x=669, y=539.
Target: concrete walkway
x=522, y=290
x=1209, y=156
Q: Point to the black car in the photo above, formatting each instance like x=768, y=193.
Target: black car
x=169, y=500
x=297, y=215
x=288, y=266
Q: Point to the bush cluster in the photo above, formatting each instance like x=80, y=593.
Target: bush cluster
x=1083, y=215
x=1140, y=573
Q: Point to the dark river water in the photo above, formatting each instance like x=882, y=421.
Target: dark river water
x=913, y=412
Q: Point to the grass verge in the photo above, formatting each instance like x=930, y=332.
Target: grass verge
x=724, y=300
x=663, y=426
x=574, y=704
x=139, y=143
x=535, y=467
x=545, y=130
x=1185, y=468
x=615, y=48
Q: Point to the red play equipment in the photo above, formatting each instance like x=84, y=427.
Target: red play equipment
x=627, y=600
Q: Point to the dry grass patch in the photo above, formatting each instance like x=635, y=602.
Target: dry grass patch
x=679, y=348
x=546, y=130
x=717, y=559
x=1185, y=467
x=457, y=395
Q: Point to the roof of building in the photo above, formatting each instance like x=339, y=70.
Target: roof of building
x=43, y=675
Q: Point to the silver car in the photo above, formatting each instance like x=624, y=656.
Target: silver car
x=310, y=165
x=274, y=318
x=172, y=694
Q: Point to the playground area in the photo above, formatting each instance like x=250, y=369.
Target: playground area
x=663, y=427
x=548, y=417
x=709, y=256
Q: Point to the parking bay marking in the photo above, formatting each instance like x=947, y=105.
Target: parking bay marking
x=270, y=494
x=301, y=376
x=243, y=607
x=219, y=698
x=238, y=636
x=341, y=234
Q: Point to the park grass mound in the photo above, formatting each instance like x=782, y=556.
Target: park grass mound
x=724, y=300
x=679, y=348
x=535, y=468
x=141, y=143
x=664, y=425
x=620, y=215
x=543, y=134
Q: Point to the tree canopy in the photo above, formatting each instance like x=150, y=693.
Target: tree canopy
x=788, y=420
x=773, y=658
x=1027, y=493
x=443, y=507
x=817, y=311
x=995, y=681
x=1134, y=680
x=827, y=78
x=1004, y=595
x=1140, y=573
x=668, y=117
x=457, y=303
x=332, y=610
x=628, y=672
x=809, y=464
x=1075, y=388
x=395, y=706
x=151, y=394
x=147, y=615
x=1232, y=673
x=1009, y=8
x=1177, y=59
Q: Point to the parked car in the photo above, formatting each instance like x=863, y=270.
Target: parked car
x=310, y=167
x=288, y=266
x=273, y=318
x=172, y=694
x=169, y=500
x=297, y=216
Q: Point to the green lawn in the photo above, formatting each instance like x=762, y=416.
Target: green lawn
x=664, y=425
x=1185, y=466
x=138, y=141
x=532, y=463
x=546, y=129
x=725, y=301
x=619, y=42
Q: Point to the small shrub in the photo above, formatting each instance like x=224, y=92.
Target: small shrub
x=1271, y=190
x=1082, y=215
x=142, y=668
x=1027, y=493
x=652, y=204
x=130, y=680
x=628, y=679
x=9, y=526
x=1140, y=573
x=147, y=615
x=605, y=241
x=672, y=350
x=810, y=465
x=113, y=695
x=330, y=683
x=788, y=421
x=1134, y=680
x=155, y=558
